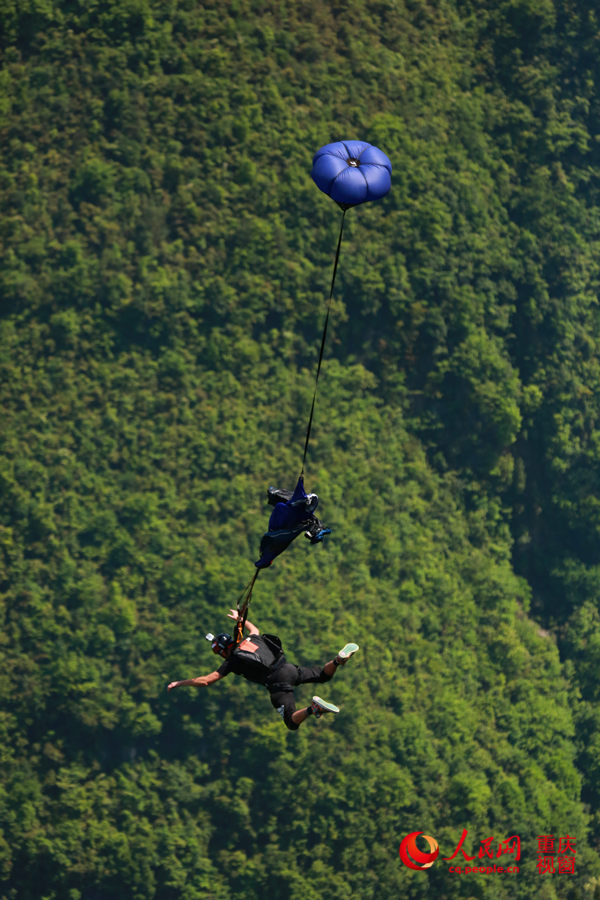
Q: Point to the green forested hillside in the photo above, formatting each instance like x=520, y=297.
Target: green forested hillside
x=165, y=266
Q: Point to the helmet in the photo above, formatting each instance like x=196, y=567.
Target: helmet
x=221, y=642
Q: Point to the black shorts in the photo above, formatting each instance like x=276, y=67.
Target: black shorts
x=281, y=686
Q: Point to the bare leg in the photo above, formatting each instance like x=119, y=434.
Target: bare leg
x=330, y=667
x=299, y=715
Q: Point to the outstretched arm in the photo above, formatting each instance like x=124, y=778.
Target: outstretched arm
x=233, y=614
x=200, y=681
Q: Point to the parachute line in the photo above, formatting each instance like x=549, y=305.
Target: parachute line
x=242, y=607
x=324, y=336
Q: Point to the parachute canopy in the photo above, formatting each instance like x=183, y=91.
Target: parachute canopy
x=352, y=172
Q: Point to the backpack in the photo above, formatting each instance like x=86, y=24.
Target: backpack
x=257, y=655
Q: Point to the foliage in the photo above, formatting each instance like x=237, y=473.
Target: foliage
x=165, y=262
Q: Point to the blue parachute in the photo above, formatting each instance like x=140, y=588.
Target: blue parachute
x=352, y=172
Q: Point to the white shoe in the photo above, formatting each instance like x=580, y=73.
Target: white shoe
x=346, y=652
x=319, y=706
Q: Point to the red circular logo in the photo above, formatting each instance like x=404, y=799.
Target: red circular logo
x=414, y=858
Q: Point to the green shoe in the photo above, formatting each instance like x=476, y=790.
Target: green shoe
x=319, y=707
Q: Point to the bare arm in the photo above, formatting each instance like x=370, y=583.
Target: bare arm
x=200, y=681
x=252, y=629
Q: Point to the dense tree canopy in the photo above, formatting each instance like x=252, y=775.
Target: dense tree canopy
x=166, y=259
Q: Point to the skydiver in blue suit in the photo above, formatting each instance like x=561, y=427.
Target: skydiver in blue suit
x=292, y=515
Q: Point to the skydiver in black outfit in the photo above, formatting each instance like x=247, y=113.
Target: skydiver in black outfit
x=260, y=658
